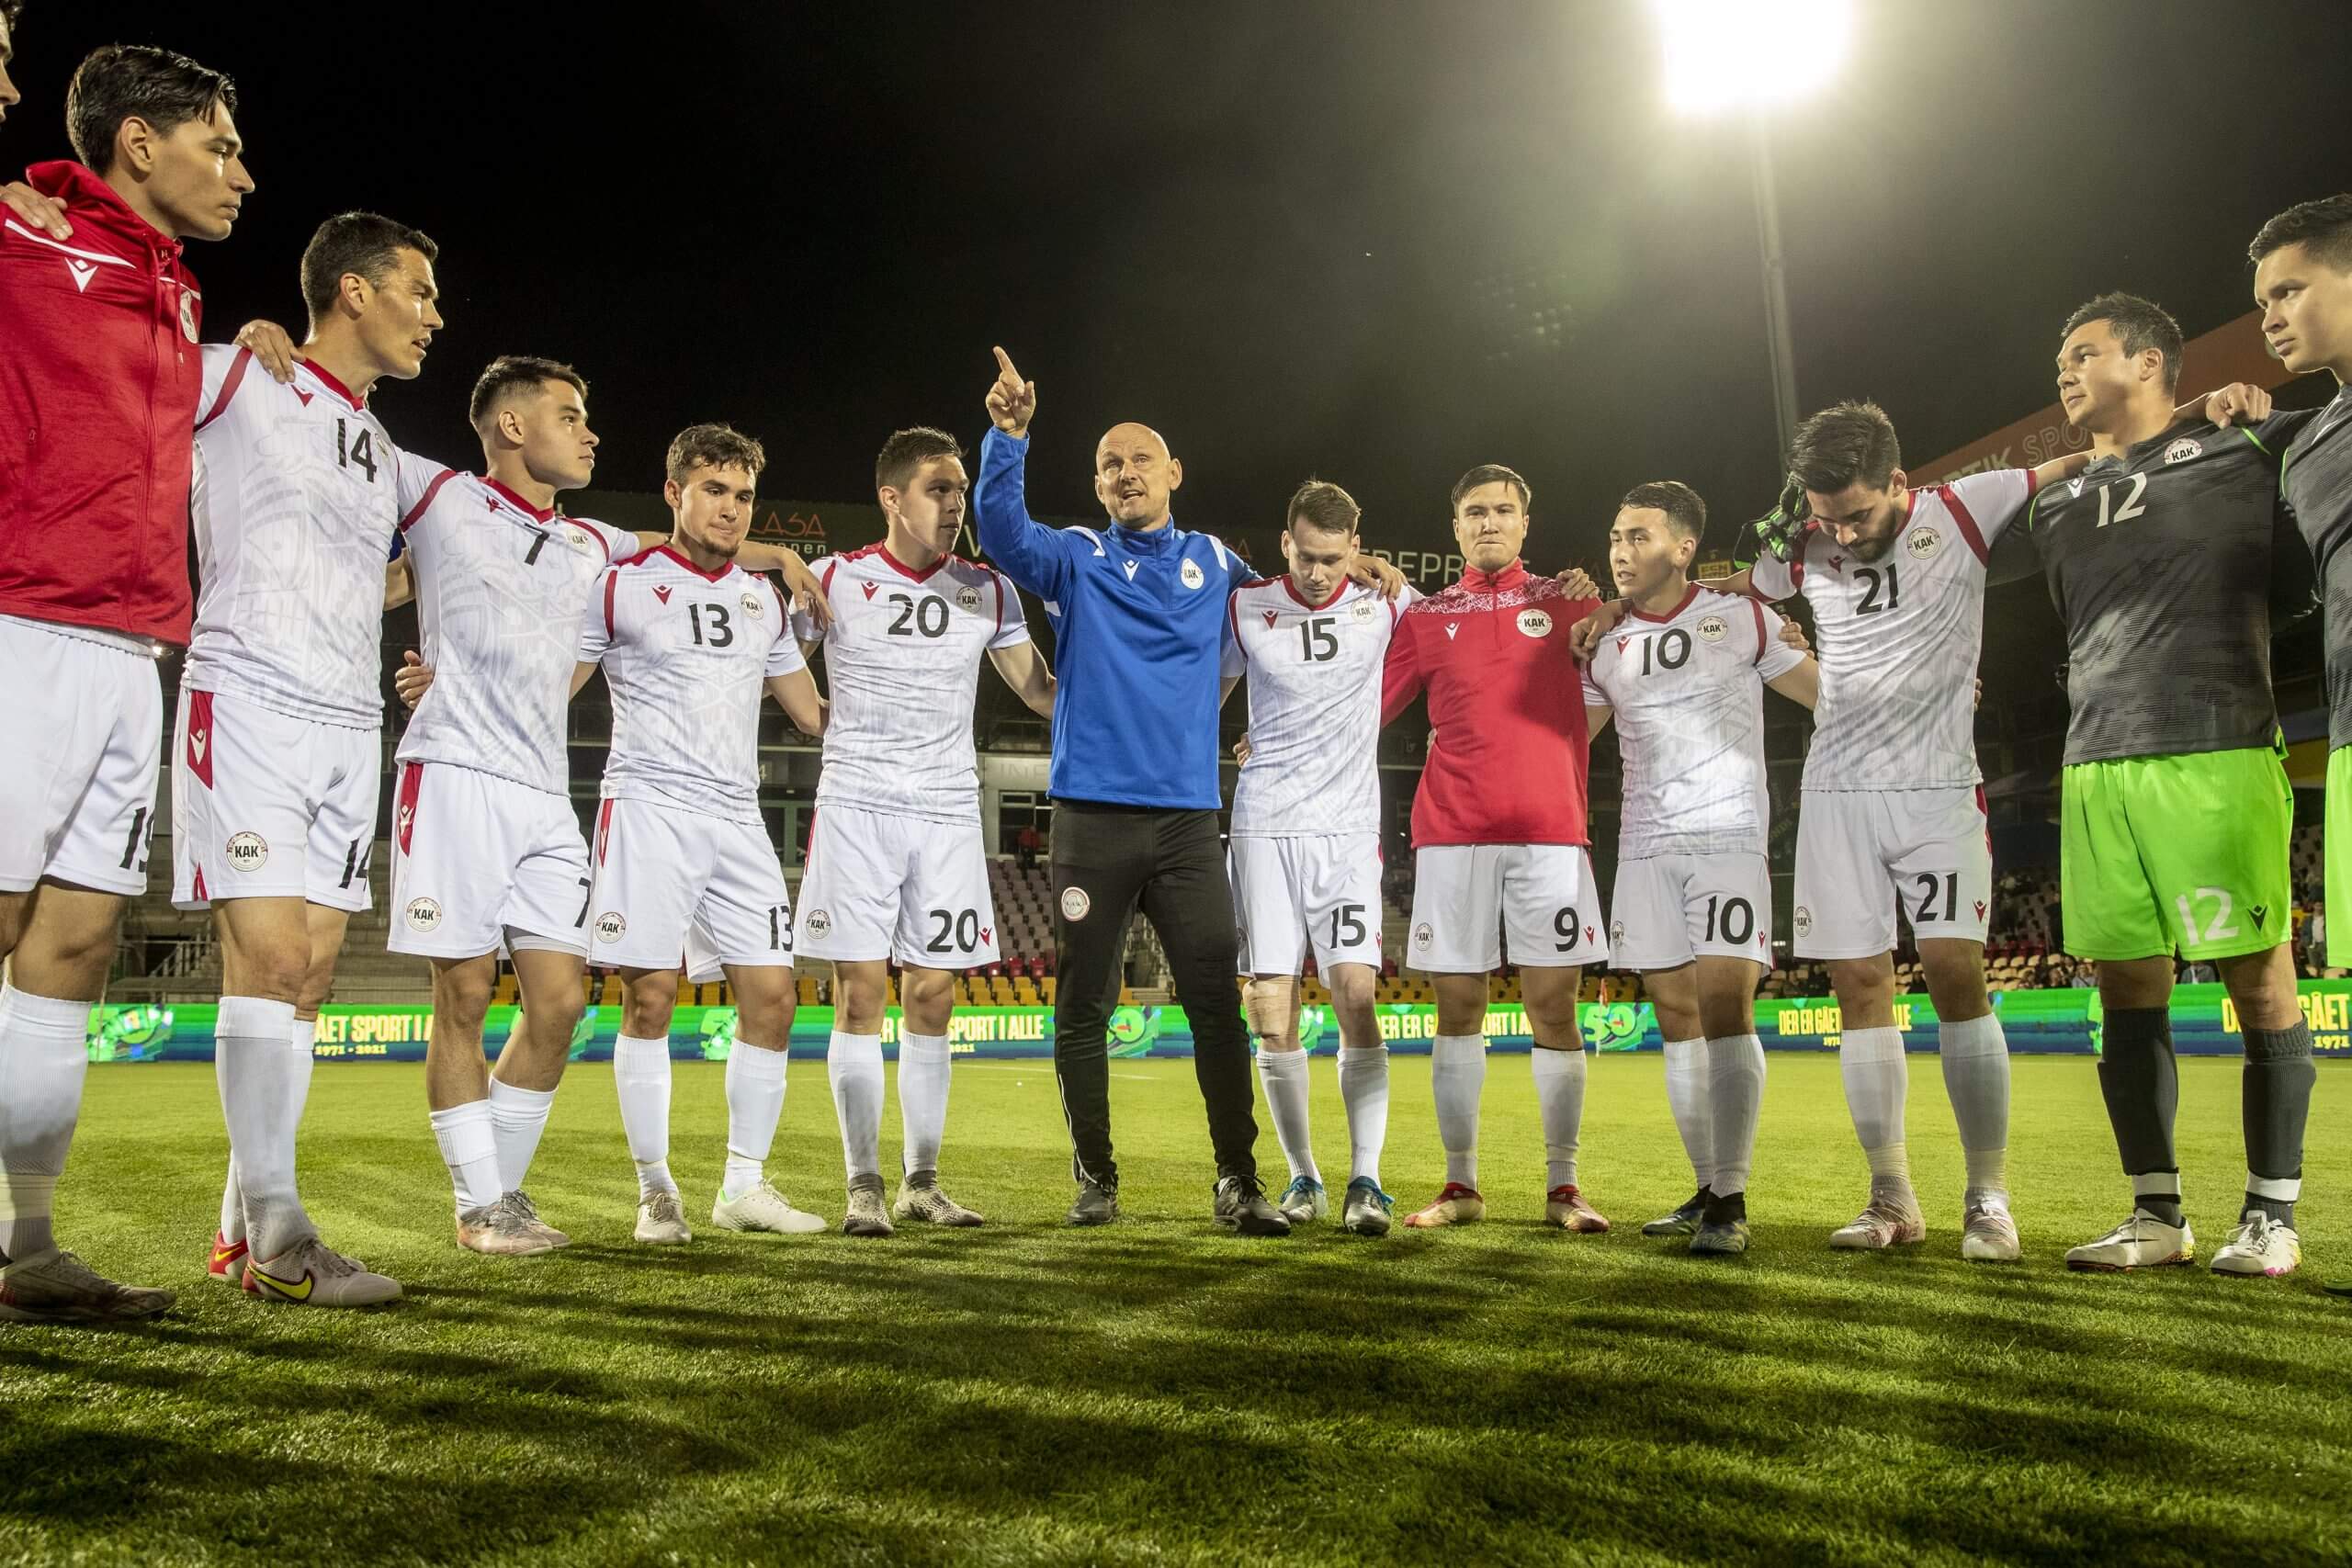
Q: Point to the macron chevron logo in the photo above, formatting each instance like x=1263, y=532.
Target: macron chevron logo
x=1131, y=571
x=81, y=272
x=869, y=588
x=1451, y=627
x=1270, y=615
x=662, y=592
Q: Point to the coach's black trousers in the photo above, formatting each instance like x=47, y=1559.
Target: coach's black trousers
x=1108, y=862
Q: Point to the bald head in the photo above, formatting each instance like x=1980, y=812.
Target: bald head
x=1134, y=476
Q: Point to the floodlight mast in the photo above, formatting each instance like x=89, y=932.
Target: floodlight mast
x=1751, y=55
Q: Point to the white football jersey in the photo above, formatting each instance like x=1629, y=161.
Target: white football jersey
x=501, y=586
x=686, y=653
x=1314, y=673
x=295, y=496
x=1900, y=636
x=902, y=670
x=1688, y=693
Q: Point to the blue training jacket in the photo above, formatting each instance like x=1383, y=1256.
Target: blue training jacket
x=1138, y=623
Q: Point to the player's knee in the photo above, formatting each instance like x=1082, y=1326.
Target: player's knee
x=1862, y=982
x=1267, y=1004
x=54, y=957
x=1351, y=987
x=461, y=996
x=927, y=997
x=647, y=1002
x=1680, y=1018
x=764, y=1006
x=1725, y=1018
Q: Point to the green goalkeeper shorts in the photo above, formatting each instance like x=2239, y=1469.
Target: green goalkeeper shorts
x=2183, y=855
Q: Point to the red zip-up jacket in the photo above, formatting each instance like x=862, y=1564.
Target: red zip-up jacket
x=99, y=375
x=1507, y=699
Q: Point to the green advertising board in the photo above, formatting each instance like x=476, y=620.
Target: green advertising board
x=2064, y=1021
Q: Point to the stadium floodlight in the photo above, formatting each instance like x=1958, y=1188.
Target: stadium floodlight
x=1749, y=57
x=1732, y=54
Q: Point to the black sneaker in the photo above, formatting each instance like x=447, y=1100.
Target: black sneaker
x=1241, y=1206
x=1723, y=1226
x=1098, y=1204
x=1685, y=1220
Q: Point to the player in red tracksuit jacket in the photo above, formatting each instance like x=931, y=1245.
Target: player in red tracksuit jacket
x=1499, y=833
x=99, y=387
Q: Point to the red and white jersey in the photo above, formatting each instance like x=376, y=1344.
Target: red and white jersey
x=1900, y=636
x=686, y=653
x=501, y=586
x=295, y=498
x=1509, y=763
x=902, y=670
x=1314, y=674
x=1687, y=689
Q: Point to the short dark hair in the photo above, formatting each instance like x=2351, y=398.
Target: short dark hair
x=1845, y=443
x=367, y=243
x=123, y=81
x=10, y=10
x=1491, y=474
x=511, y=373
x=2140, y=324
x=1685, y=512
x=713, y=446
x=2325, y=226
x=1319, y=504
x=903, y=455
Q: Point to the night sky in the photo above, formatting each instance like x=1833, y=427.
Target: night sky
x=1373, y=242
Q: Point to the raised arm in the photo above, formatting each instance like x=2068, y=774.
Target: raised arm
x=801, y=585
x=1036, y=557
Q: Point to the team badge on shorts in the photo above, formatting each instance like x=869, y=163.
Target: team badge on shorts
x=1803, y=921
x=1191, y=573
x=2184, y=449
x=968, y=596
x=1616, y=933
x=424, y=915
x=818, y=923
x=1712, y=628
x=248, y=851
x=751, y=603
x=1074, y=903
x=1922, y=543
x=610, y=926
x=1423, y=935
x=1535, y=622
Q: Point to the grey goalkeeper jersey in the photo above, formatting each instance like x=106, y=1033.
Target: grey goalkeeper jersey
x=2317, y=482
x=2169, y=566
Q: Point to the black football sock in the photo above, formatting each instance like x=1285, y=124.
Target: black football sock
x=2276, y=1102
x=2140, y=1083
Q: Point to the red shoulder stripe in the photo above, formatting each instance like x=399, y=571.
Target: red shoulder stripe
x=1757, y=609
x=612, y=582
x=427, y=500
x=1968, y=529
x=228, y=387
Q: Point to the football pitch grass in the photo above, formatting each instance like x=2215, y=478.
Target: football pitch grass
x=1159, y=1392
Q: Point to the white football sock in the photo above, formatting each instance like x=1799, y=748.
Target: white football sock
x=469, y=1148
x=1686, y=1096
x=254, y=1063
x=1363, y=1086
x=1877, y=1079
x=642, y=1078
x=1284, y=1074
x=1559, y=1100
x=517, y=1118
x=1976, y=1075
x=1457, y=1075
x=44, y=1055
x=854, y=1067
x=1734, y=1100
x=301, y=1039
x=232, y=1206
x=923, y=1066
x=754, y=1105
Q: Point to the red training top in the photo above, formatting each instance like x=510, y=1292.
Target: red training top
x=1508, y=763
x=98, y=387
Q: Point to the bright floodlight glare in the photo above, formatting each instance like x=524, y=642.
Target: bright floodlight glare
x=1728, y=54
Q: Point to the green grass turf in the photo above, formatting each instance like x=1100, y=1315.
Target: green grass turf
x=1157, y=1392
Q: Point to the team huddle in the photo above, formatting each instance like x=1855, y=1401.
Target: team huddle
x=2166, y=547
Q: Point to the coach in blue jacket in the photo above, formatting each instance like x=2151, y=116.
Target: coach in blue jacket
x=1138, y=612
